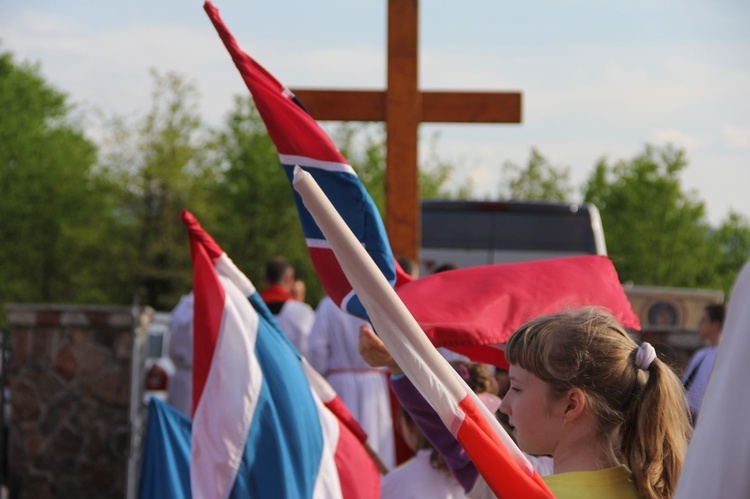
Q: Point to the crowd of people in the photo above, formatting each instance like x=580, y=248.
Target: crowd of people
x=596, y=413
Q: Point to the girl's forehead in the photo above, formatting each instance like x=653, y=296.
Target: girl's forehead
x=517, y=372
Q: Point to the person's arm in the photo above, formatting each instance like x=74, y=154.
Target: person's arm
x=374, y=352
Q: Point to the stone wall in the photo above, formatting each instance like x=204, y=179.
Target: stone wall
x=70, y=399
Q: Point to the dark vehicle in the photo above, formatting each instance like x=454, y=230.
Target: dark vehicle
x=471, y=233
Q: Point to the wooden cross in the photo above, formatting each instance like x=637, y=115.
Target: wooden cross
x=403, y=106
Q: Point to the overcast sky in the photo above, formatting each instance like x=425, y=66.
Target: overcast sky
x=599, y=78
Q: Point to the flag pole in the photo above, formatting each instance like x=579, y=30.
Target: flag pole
x=482, y=436
x=376, y=458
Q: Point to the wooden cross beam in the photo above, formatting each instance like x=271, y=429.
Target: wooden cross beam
x=403, y=106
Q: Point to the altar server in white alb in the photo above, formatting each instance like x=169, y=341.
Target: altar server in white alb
x=333, y=352
x=294, y=317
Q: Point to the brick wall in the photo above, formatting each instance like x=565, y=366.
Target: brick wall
x=70, y=399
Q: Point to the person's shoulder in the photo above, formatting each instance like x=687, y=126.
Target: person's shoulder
x=407, y=478
x=393, y=484
x=298, y=308
x=699, y=354
x=326, y=302
x=616, y=483
x=304, y=305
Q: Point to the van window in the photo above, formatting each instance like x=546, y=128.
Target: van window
x=470, y=233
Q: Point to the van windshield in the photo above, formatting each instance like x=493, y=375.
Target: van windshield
x=469, y=233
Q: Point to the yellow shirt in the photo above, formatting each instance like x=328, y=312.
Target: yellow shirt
x=609, y=483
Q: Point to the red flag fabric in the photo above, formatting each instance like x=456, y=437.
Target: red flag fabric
x=473, y=311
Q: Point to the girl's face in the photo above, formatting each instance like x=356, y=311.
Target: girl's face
x=537, y=419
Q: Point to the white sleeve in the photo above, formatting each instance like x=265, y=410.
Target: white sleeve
x=318, y=347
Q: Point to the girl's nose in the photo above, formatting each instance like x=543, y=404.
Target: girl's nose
x=505, y=406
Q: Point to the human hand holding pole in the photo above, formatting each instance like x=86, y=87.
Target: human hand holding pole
x=374, y=352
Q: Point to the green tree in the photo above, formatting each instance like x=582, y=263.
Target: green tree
x=256, y=216
x=731, y=243
x=366, y=153
x=51, y=210
x=656, y=232
x=364, y=148
x=159, y=165
x=538, y=180
x=435, y=176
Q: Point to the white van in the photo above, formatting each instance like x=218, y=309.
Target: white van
x=471, y=233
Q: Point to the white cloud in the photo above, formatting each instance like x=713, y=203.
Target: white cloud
x=738, y=137
x=677, y=138
x=483, y=181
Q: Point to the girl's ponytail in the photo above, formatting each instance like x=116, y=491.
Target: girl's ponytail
x=656, y=429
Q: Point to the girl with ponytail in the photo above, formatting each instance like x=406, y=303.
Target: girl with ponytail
x=612, y=415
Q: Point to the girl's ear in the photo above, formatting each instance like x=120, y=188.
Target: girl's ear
x=575, y=401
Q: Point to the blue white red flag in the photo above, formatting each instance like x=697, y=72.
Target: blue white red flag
x=300, y=141
x=259, y=428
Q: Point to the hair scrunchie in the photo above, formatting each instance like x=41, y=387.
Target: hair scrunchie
x=645, y=356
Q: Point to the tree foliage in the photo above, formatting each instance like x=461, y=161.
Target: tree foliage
x=87, y=224
x=436, y=175
x=539, y=180
x=48, y=203
x=366, y=153
x=252, y=201
x=157, y=164
x=656, y=232
x=731, y=249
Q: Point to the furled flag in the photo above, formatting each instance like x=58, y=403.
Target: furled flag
x=470, y=311
x=259, y=430
x=502, y=465
x=165, y=461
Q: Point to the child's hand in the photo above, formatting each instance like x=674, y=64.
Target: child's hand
x=372, y=349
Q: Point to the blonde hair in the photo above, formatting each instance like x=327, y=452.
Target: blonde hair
x=588, y=349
